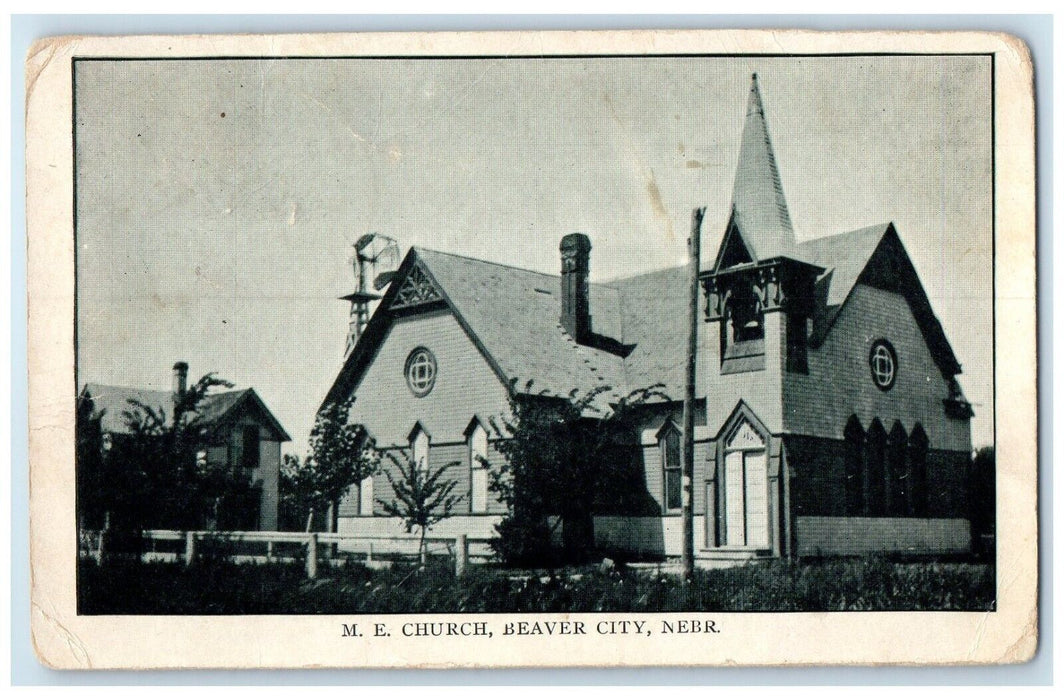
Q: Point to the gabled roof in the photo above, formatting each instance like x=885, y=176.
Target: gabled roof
x=515, y=315
x=759, y=209
x=843, y=257
x=874, y=256
x=216, y=409
x=512, y=316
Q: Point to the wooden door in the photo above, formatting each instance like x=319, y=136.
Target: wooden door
x=734, y=501
x=746, y=489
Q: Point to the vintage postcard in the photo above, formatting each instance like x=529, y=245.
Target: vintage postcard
x=532, y=349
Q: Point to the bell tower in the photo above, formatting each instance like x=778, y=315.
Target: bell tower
x=758, y=291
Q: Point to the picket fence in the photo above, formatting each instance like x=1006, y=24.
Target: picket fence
x=311, y=547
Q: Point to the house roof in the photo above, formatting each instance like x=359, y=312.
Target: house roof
x=112, y=401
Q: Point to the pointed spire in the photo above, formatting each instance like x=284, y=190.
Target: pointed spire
x=758, y=205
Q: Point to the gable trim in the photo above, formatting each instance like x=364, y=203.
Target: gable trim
x=731, y=232
x=474, y=422
x=419, y=427
x=376, y=332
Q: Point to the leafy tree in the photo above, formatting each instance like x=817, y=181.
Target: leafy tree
x=91, y=504
x=422, y=496
x=341, y=454
x=561, y=460
x=982, y=499
x=155, y=474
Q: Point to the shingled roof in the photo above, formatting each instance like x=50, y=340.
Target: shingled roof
x=843, y=256
x=113, y=401
x=759, y=209
x=512, y=315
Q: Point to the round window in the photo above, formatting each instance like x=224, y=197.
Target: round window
x=884, y=364
x=420, y=371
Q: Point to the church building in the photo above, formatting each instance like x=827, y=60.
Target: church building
x=829, y=418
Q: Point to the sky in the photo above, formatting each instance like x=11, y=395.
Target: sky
x=217, y=200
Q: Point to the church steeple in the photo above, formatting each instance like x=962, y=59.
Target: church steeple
x=759, y=209
x=759, y=291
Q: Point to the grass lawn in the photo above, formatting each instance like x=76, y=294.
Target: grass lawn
x=835, y=584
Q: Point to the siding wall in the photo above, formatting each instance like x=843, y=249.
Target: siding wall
x=654, y=536
x=465, y=383
x=833, y=536
x=839, y=383
x=266, y=477
x=268, y=474
x=654, y=475
x=761, y=390
x=473, y=526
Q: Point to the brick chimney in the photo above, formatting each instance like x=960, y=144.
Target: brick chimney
x=180, y=378
x=576, y=309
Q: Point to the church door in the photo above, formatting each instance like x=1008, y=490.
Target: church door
x=745, y=490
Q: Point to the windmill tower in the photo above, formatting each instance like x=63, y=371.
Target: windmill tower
x=376, y=258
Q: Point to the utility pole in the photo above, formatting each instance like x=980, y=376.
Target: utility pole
x=688, y=458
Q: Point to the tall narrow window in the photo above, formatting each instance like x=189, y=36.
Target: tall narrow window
x=478, y=469
x=419, y=449
x=797, y=336
x=854, y=457
x=670, y=462
x=365, y=496
x=897, y=475
x=249, y=452
x=875, y=456
x=918, y=445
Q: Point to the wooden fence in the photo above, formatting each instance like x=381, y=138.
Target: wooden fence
x=280, y=546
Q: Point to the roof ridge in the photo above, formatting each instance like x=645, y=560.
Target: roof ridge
x=603, y=284
x=873, y=227
x=486, y=262
x=636, y=276
x=86, y=385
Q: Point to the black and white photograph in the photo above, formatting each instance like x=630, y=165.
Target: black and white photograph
x=484, y=334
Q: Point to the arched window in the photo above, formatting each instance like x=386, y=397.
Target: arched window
x=419, y=448
x=478, y=468
x=918, y=446
x=671, y=470
x=875, y=468
x=854, y=457
x=365, y=496
x=897, y=475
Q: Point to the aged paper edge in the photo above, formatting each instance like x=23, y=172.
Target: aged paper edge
x=62, y=639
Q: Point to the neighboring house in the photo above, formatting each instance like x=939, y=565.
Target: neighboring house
x=244, y=434
x=829, y=418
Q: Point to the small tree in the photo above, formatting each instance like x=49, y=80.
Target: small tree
x=422, y=496
x=341, y=454
x=151, y=476
x=558, y=450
